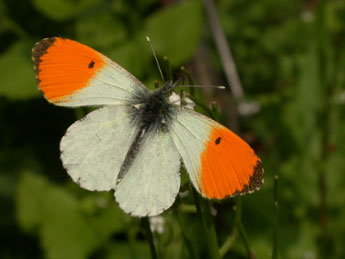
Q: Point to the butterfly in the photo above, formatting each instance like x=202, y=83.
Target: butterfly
x=137, y=140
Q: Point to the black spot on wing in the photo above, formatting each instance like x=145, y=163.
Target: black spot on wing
x=218, y=140
x=91, y=64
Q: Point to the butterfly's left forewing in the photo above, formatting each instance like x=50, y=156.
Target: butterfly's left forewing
x=220, y=164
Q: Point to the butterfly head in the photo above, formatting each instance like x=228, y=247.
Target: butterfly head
x=167, y=88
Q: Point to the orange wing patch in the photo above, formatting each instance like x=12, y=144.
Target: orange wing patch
x=64, y=66
x=229, y=166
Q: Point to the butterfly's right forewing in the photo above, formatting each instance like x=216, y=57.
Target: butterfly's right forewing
x=72, y=74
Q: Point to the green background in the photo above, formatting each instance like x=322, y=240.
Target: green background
x=290, y=55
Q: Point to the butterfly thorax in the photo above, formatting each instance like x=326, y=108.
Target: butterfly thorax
x=156, y=109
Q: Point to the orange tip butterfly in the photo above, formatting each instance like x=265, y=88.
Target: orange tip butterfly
x=136, y=142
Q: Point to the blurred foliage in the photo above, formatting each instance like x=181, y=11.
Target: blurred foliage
x=290, y=55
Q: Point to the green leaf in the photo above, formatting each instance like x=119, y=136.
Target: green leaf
x=17, y=73
x=133, y=55
x=3, y=18
x=66, y=225
x=125, y=251
x=29, y=200
x=303, y=244
x=64, y=231
x=61, y=10
x=101, y=30
x=105, y=216
x=176, y=30
x=303, y=112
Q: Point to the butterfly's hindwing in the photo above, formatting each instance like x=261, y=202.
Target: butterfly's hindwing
x=94, y=148
x=152, y=180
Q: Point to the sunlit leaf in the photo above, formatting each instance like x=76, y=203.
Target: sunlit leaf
x=63, y=9
x=101, y=30
x=175, y=31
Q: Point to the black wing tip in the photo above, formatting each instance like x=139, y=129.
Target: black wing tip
x=255, y=181
x=39, y=50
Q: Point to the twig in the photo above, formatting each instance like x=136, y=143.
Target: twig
x=229, y=242
x=320, y=30
x=244, y=237
x=237, y=91
x=180, y=220
x=146, y=224
x=224, y=51
x=204, y=214
x=167, y=69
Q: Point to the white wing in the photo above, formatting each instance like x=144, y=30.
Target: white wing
x=111, y=85
x=152, y=181
x=94, y=148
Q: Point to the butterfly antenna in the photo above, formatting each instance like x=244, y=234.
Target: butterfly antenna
x=206, y=86
x=154, y=54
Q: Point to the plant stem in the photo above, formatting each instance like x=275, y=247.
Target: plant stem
x=224, y=50
x=228, y=243
x=203, y=106
x=180, y=220
x=167, y=69
x=190, y=80
x=203, y=210
x=146, y=223
x=276, y=219
x=244, y=237
x=322, y=38
x=241, y=230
